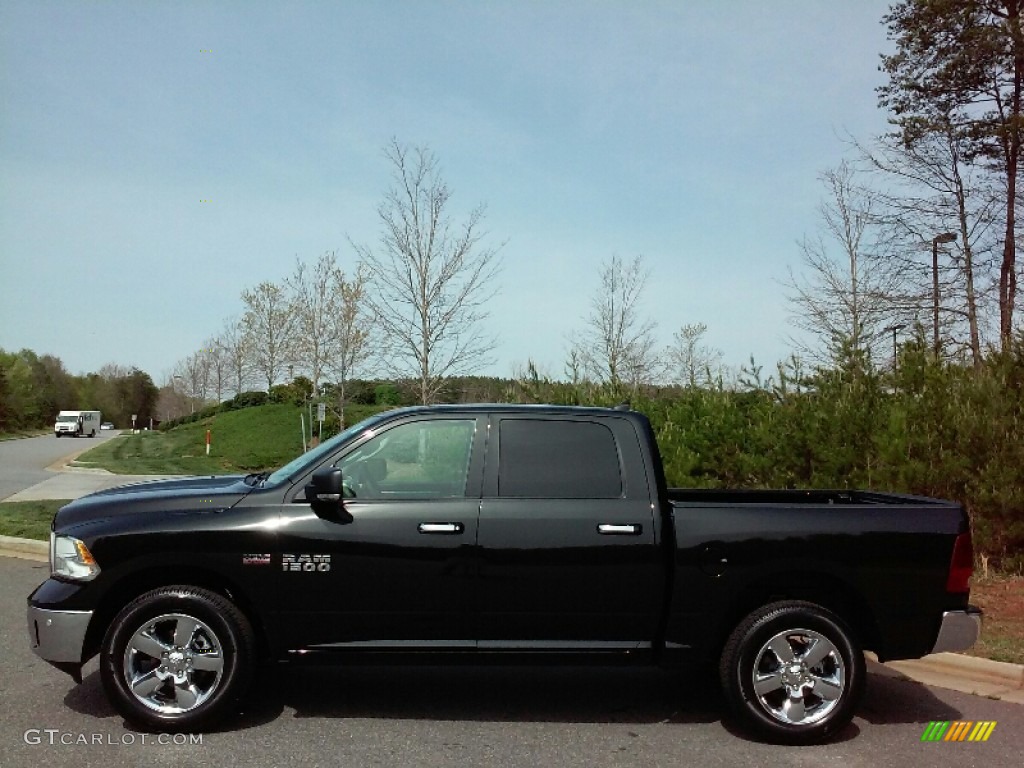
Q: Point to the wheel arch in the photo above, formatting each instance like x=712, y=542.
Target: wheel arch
x=131, y=586
x=829, y=592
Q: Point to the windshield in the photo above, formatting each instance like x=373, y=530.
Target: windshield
x=314, y=455
x=67, y=418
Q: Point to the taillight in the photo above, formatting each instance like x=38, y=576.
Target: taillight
x=961, y=565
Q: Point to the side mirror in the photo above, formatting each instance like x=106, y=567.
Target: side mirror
x=325, y=493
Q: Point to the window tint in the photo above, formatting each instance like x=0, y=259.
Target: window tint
x=419, y=460
x=558, y=459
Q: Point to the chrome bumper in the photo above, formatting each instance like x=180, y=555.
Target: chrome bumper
x=959, y=631
x=58, y=636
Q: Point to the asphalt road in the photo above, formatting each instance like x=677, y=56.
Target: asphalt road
x=23, y=462
x=466, y=716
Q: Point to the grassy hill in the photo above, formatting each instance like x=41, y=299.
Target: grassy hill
x=247, y=440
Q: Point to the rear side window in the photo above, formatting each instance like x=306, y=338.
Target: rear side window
x=558, y=460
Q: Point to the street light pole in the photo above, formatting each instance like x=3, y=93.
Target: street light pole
x=895, y=352
x=945, y=237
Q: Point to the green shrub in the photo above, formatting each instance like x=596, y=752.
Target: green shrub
x=387, y=394
x=244, y=400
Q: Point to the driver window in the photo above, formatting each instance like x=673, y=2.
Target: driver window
x=418, y=460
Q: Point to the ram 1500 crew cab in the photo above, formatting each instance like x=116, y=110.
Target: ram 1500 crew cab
x=498, y=531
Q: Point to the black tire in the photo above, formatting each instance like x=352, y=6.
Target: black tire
x=190, y=652
x=810, y=698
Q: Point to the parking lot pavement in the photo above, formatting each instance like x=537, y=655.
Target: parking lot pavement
x=36, y=468
x=71, y=484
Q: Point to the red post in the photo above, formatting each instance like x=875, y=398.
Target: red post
x=207, y=442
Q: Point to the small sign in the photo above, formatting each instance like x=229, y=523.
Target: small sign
x=321, y=412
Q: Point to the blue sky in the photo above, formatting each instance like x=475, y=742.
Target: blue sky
x=691, y=132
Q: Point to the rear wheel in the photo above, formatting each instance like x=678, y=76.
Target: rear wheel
x=177, y=659
x=793, y=672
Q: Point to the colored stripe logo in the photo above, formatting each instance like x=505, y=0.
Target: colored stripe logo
x=958, y=730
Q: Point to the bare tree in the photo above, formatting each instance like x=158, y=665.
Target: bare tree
x=314, y=304
x=218, y=367
x=171, y=402
x=931, y=189
x=841, y=298
x=237, y=348
x=692, y=363
x=617, y=344
x=269, y=322
x=575, y=366
x=351, y=330
x=430, y=281
x=192, y=375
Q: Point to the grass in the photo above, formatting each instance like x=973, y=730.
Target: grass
x=1002, y=634
x=247, y=440
x=29, y=519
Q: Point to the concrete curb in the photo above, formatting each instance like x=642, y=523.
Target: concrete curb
x=957, y=664
x=72, y=467
x=958, y=672
x=64, y=464
x=995, y=671
x=27, y=549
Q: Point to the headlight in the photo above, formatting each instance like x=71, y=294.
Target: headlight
x=73, y=560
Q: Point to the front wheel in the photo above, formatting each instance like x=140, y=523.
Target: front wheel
x=793, y=672
x=177, y=659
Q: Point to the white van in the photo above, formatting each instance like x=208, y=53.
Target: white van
x=77, y=423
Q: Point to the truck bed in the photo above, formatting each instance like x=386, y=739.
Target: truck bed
x=840, y=548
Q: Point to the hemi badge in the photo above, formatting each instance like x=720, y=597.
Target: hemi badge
x=255, y=559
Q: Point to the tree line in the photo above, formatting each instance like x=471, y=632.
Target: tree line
x=33, y=388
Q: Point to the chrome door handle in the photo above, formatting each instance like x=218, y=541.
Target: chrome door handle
x=628, y=529
x=448, y=528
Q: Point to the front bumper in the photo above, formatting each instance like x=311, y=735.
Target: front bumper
x=959, y=631
x=58, y=636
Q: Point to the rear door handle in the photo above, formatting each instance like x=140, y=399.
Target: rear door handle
x=627, y=529
x=445, y=528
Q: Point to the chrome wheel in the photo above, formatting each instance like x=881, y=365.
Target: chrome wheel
x=799, y=676
x=173, y=663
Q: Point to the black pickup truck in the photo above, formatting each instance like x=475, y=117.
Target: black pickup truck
x=498, y=531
